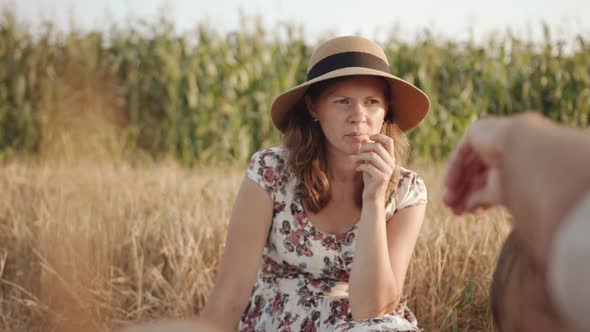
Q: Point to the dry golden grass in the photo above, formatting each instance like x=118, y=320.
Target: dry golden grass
x=92, y=245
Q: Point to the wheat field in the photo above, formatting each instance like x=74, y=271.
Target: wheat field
x=95, y=245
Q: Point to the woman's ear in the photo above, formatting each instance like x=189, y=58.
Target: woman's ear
x=309, y=106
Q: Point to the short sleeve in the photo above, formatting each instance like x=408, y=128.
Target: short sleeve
x=411, y=191
x=267, y=169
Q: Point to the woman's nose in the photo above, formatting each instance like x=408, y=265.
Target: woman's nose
x=358, y=113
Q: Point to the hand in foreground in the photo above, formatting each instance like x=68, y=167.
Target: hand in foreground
x=472, y=180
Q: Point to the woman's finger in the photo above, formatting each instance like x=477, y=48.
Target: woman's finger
x=386, y=141
x=376, y=160
x=371, y=170
x=380, y=150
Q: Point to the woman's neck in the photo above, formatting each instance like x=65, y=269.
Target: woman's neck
x=343, y=169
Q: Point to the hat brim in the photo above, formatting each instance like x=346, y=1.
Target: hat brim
x=409, y=104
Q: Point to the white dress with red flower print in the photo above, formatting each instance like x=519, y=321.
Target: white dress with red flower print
x=302, y=281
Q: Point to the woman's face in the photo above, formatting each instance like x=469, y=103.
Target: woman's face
x=349, y=111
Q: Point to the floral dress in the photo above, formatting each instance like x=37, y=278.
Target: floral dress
x=303, y=278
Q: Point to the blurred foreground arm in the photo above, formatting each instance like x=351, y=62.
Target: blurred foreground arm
x=541, y=172
x=537, y=169
x=546, y=172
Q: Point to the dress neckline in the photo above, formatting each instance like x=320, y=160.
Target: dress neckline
x=310, y=224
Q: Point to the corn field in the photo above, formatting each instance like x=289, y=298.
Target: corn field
x=204, y=96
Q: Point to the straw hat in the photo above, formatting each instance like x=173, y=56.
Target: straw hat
x=346, y=56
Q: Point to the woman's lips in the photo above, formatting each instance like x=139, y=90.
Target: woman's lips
x=360, y=137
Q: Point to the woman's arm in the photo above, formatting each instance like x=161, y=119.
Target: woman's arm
x=381, y=259
x=372, y=285
x=383, y=250
x=249, y=225
x=402, y=233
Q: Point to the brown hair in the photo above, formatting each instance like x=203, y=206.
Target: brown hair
x=514, y=269
x=307, y=157
x=507, y=278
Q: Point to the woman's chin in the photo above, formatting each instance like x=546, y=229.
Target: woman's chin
x=349, y=148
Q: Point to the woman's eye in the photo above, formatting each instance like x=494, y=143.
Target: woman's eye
x=342, y=101
x=374, y=101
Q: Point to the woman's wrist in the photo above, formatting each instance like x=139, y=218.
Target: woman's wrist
x=374, y=199
x=374, y=205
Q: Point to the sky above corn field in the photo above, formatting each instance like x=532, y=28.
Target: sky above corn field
x=453, y=19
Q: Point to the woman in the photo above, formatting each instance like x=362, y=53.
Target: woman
x=324, y=225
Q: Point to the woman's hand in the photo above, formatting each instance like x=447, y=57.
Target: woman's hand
x=377, y=163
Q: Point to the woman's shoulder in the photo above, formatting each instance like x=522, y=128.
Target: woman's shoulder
x=268, y=168
x=408, y=177
x=274, y=157
x=276, y=153
x=410, y=190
